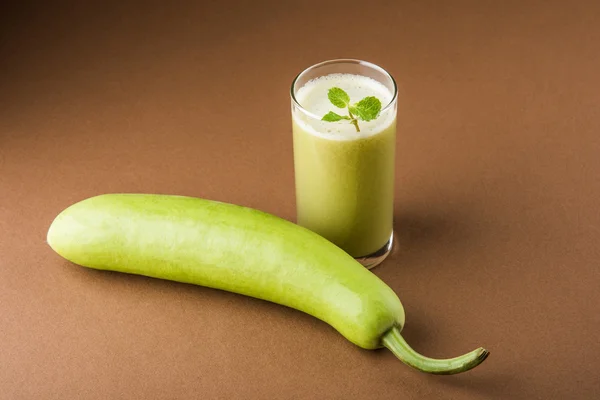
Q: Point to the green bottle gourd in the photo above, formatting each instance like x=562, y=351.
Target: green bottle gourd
x=241, y=250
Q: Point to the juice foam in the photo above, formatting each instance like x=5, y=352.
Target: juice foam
x=313, y=98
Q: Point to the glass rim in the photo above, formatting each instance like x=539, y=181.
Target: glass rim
x=343, y=61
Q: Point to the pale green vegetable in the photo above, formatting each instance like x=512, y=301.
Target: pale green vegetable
x=240, y=250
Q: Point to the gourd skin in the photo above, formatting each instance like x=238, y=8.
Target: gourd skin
x=232, y=248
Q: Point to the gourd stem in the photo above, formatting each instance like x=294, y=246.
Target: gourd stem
x=397, y=345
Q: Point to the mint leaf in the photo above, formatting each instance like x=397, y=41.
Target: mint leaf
x=366, y=109
x=338, y=97
x=333, y=117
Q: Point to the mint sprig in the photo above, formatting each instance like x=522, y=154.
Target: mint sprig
x=366, y=110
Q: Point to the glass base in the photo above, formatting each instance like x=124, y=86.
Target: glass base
x=376, y=258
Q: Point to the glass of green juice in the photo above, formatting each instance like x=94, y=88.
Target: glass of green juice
x=344, y=167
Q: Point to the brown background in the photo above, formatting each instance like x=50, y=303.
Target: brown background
x=498, y=183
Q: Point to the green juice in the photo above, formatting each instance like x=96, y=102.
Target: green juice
x=344, y=178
